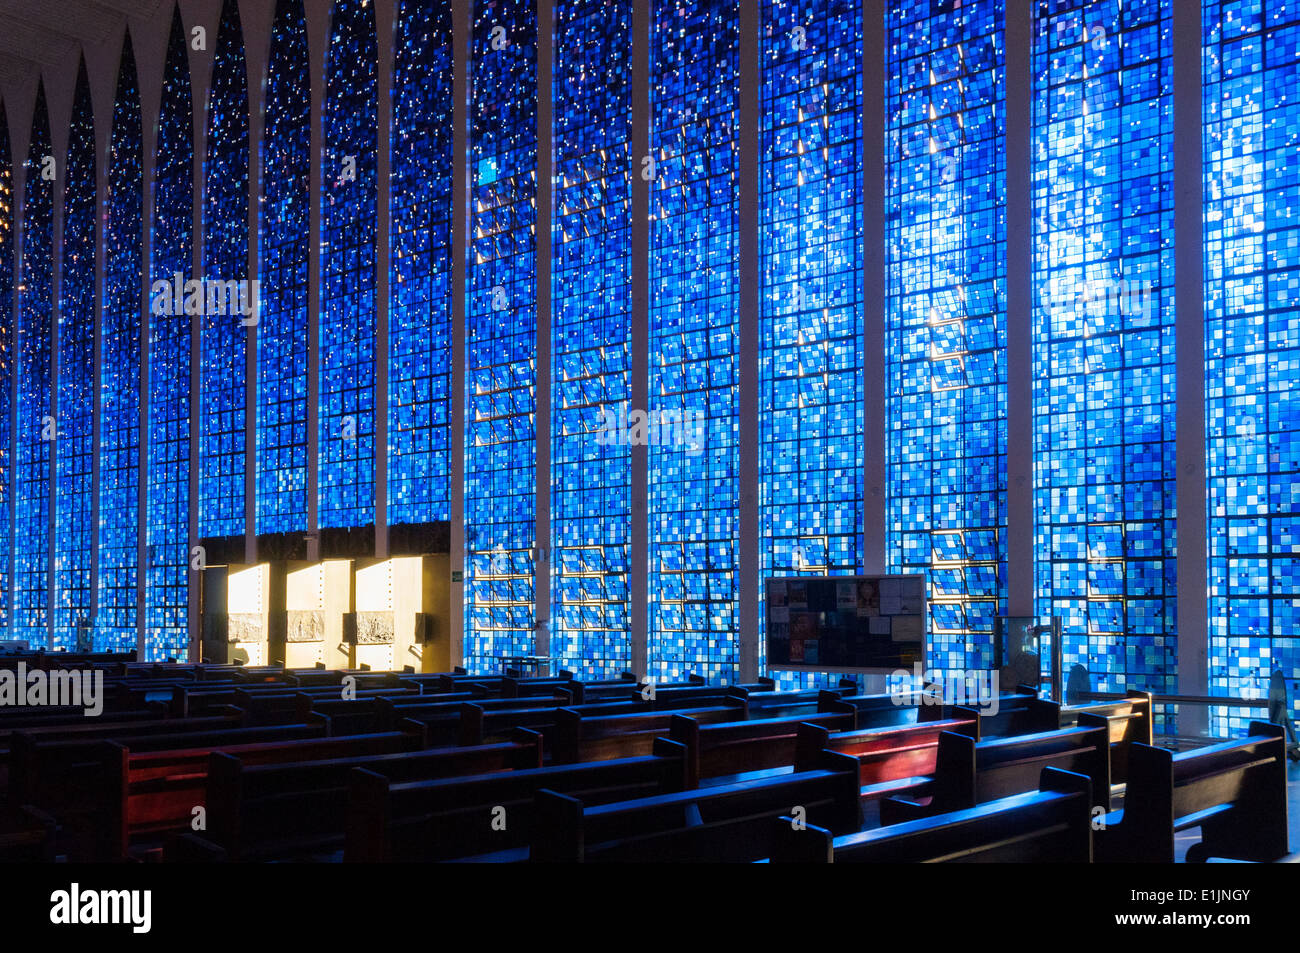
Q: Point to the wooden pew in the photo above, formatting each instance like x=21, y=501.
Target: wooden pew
x=968, y=772
x=411, y=706
x=75, y=781
x=364, y=714
x=1129, y=722
x=57, y=718
x=291, y=809
x=883, y=754
x=23, y=774
x=1050, y=825
x=760, y=744
x=724, y=823
x=577, y=737
x=776, y=704
x=320, y=676
x=1018, y=713
x=479, y=724
x=1234, y=791
x=461, y=818
x=272, y=707
x=147, y=793
x=616, y=689
x=461, y=721
x=512, y=687
x=193, y=699
x=27, y=837
x=881, y=711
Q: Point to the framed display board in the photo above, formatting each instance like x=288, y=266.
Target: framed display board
x=863, y=624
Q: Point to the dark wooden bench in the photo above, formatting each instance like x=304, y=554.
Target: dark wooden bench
x=294, y=809
x=514, y=687
x=883, y=754
x=1235, y=792
x=724, y=823
x=478, y=724
x=881, y=711
x=1050, y=825
x=147, y=793
x=577, y=737
x=462, y=720
x=189, y=699
x=1018, y=713
x=1129, y=722
x=774, y=704
x=968, y=772
x=27, y=836
x=490, y=814
x=361, y=679
x=74, y=781
x=68, y=718
x=622, y=688
x=281, y=705
x=363, y=714
x=23, y=774
x=735, y=747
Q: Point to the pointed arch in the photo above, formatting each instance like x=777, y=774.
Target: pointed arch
x=501, y=336
x=281, y=488
x=349, y=199
x=117, y=609
x=33, y=429
x=74, y=468
x=419, y=313
x=172, y=252
x=224, y=337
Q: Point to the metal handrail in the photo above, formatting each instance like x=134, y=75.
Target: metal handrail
x=1225, y=701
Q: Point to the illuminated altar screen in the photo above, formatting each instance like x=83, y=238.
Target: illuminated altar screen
x=845, y=623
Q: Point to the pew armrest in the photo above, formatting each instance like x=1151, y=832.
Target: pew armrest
x=801, y=843
x=897, y=810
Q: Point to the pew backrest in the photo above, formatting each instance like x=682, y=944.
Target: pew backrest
x=730, y=822
x=733, y=747
x=883, y=754
x=258, y=808
x=579, y=737
x=449, y=818
x=1235, y=791
x=1051, y=825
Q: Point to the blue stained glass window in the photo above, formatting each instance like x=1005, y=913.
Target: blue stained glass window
x=694, y=367
x=1103, y=329
x=945, y=318
x=501, y=333
x=7, y=251
x=167, y=504
x=590, y=337
x=34, y=426
x=224, y=335
x=810, y=250
x=74, y=531
x=419, y=317
x=346, y=421
x=283, y=322
x=117, y=608
x=1251, y=111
